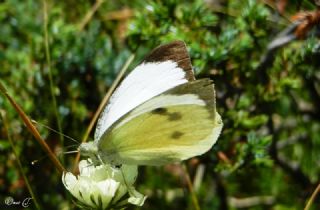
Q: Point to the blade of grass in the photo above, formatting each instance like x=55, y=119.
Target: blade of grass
x=313, y=196
x=6, y=128
x=48, y=59
x=89, y=14
x=102, y=105
x=33, y=130
x=190, y=187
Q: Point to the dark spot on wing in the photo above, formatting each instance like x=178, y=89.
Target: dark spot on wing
x=160, y=111
x=175, y=116
x=176, y=135
x=171, y=116
x=80, y=194
x=117, y=166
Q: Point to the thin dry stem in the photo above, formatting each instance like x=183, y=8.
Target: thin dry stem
x=190, y=187
x=313, y=196
x=33, y=130
x=123, y=14
x=89, y=14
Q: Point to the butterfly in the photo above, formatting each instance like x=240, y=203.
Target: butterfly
x=159, y=114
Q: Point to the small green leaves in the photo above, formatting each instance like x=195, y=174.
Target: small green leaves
x=258, y=148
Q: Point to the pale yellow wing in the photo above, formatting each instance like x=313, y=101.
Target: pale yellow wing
x=166, y=67
x=174, y=126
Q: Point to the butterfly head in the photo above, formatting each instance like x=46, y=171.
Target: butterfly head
x=88, y=149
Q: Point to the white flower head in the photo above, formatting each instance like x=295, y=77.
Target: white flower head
x=104, y=186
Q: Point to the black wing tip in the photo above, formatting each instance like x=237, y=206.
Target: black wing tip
x=175, y=51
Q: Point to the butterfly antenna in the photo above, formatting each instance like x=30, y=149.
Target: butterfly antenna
x=70, y=146
x=34, y=162
x=70, y=152
x=66, y=153
x=55, y=131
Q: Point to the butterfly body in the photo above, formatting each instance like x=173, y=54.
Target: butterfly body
x=166, y=119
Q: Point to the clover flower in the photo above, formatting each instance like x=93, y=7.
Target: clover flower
x=103, y=186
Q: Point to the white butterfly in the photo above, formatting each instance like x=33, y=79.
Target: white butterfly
x=159, y=113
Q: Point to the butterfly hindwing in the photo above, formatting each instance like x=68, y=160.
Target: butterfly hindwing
x=176, y=125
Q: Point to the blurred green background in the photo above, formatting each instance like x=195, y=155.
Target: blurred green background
x=268, y=155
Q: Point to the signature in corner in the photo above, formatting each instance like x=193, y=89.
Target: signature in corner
x=9, y=201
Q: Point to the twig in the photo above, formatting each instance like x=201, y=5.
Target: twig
x=123, y=14
x=308, y=21
x=6, y=127
x=251, y=201
x=223, y=157
x=221, y=191
x=198, y=177
x=102, y=105
x=313, y=196
x=311, y=87
x=299, y=29
x=216, y=8
x=294, y=171
x=89, y=14
x=282, y=39
x=33, y=130
x=291, y=140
